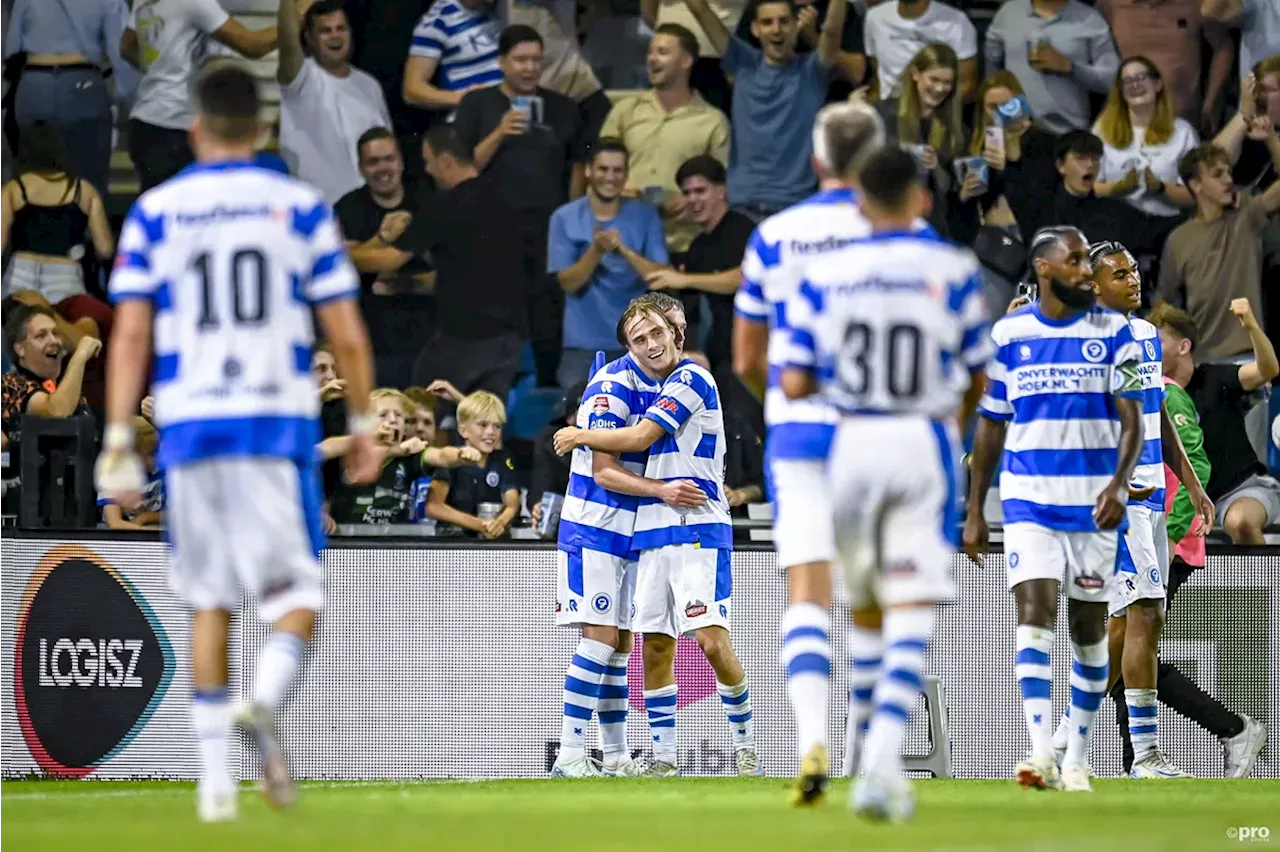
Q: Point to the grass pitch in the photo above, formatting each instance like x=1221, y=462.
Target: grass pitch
x=611, y=815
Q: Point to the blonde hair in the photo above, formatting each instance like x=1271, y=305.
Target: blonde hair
x=1270, y=65
x=481, y=405
x=999, y=80
x=640, y=307
x=406, y=407
x=945, y=127
x=1114, y=125
x=422, y=398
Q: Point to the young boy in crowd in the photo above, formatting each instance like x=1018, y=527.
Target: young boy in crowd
x=458, y=493
x=150, y=514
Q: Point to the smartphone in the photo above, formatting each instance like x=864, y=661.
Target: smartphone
x=1028, y=290
x=995, y=138
x=977, y=165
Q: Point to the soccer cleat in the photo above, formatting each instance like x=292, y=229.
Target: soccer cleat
x=1240, y=752
x=1038, y=773
x=811, y=785
x=1155, y=765
x=219, y=806
x=882, y=799
x=582, y=767
x=620, y=766
x=1075, y=778
x=277, y=787
x=749, y=762
x=661, y=769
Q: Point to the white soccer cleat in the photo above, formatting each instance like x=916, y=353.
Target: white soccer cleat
x=749, y=762
x=661, y=769
x=277, y=787
x=882, y=798
x=216, y=806
x=1038, y=773
x=1240, y=752
x=1155, y=765
x=582, y=767
x=620, y=766
x=1075, y=778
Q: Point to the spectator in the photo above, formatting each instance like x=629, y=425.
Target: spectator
x=550, y=469
x=455, y=44
x=457, y=494
x=713, y=265
x=420, y=422
x=471, y=234
x=150, y=514
x=1245, y=136
x=666, y=126
x=600, y=249
x=44, y=381
x=1142, y=142
x=1245, y=498
x=850, y=63
x=897, y=30
x=1173, y=34
x=776, y=96
x=1060, y=50
x=333, y=410
x=67, y=47
x=166, y=39
x=1216, y=257
x=530, y=140
x=375, y=216
x=326, y=103
x=1257, y=20
x=707, y=74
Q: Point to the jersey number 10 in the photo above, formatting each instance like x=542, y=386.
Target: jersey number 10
x=248, y=273
x=896, y=350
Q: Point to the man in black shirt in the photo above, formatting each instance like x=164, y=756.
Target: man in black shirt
x=1246, y=499
x=531, y=140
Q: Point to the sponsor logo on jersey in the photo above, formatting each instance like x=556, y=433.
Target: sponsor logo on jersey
x=1089, y=582
x=668, y=404
x=693, y=609
x=601, y=406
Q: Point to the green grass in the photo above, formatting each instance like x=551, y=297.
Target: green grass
x=735, y=815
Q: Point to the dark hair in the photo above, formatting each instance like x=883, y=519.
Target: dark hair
x=373, y=134
x=1179, y=322
x=41, y=148
x=1051, y=237
x=1207, y=154
x=1106, y=248
x=1079, y=142
x=688, y=41
x=756, y=4
x=227, y=99
x=608, y=144
x=703, y=166
x=16, y=318
x=444, y=139
x=516, y=35
x=887, y=176
x=319, y=9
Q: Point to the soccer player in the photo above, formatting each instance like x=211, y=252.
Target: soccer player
x=799, y=433
x=596, y=560
x=1142, y=562
x=218, y=273
x=893, y=331
x=684, y=580
x=1066, y=387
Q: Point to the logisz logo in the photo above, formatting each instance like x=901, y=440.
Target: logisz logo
x=91, y=662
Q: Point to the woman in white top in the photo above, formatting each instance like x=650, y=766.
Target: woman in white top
x=1142, y=141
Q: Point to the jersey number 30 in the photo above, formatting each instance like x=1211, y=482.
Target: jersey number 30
x=895, y=349
x=247, y=272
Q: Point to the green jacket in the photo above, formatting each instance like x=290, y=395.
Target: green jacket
x=1182, y=411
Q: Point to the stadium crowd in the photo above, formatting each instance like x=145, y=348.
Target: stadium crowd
x=508, y=178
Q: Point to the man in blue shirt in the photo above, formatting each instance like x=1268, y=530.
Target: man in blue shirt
x=776, y=96
x=601, y=247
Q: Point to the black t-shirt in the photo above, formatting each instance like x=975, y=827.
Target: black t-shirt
x=386, y=500
x=360, y=215
x=471, y=232
x=1220, y=402
x=718, y=251
x=333, y=422
x=1254, y=169
x=470, y=485
x=533, y=168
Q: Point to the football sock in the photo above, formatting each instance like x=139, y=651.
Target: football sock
x=806, y=659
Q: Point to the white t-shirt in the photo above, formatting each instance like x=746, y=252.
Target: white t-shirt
x=321, y=119
x=894, y=41
x=1259, y=32
x=173, y=40
x=1161, y=159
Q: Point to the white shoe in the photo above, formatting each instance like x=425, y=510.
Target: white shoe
x=661, y=769
x=1240, y=752
x=620, y=766
x=582, y=767
x=749, y=762
x=218, y=806
x=1155, y=765
x=882, y=798
x=1059, y=745
x=277, y=786
x=1075, y=778
x=1038, y=773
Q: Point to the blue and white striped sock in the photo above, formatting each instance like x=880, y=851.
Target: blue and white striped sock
x=1144, y=723
x=906, y=636
x=1088, y=685
x=211, y=714
x=613, y=705
x=737, y=706
x=806, y=658
x=866, y=649
x=1035, y=678
x=581, y=695
x=660, y=705
x=278, y=664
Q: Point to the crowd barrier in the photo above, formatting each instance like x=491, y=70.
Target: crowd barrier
x=437, y=661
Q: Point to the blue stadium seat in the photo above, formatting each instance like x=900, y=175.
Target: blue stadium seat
x=1273, y=452
x=529, y=408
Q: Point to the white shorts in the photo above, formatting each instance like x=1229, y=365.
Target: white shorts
x=1142, y=560
x=681, y=588
x=1082, y=563
x=803, y=530
x=251, y=523
x=893, y=482
x=594, y=588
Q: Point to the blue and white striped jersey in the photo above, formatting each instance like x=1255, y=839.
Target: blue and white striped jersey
x=1055, y=383
x=463, y=41
x=1150, y=468
x=592, y=517
x=892, y=324
x=688, y=410
x=233, y=259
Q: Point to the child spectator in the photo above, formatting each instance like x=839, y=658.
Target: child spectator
x=150, y=514
x=458, y=493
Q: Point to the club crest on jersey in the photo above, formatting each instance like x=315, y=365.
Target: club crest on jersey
x=491, y=479
x=1094, y=351
x=1151, y=350
x=1153, y=574
x=693, y=609
x=1014, y=559
x=399, y=476
x=1024, y=352
x=602, y=603
x=600, y=406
